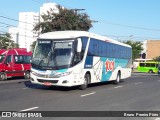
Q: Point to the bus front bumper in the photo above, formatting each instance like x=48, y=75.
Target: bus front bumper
x=67, y=81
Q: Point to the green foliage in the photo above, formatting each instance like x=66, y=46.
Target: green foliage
x=6, y=42
x=65, y=19
x=136, y=48
x=33, y=45
x=157, y=59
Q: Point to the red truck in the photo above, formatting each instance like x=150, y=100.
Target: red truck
x=15, y=62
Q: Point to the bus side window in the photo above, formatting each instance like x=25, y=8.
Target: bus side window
x=147, y=65
x=153, y=65
x=141, y=64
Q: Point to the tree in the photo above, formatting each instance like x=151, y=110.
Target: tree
x=156, y=58
x=6, y=42
x=33, y=45
x=65, y=19
x=136, y=48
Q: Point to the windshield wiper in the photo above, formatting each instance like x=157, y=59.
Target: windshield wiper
x=41, y=61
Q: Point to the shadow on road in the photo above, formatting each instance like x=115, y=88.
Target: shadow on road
x=55, y=88
x=58, y=88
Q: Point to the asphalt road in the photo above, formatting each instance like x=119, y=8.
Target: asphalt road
x=140, y=92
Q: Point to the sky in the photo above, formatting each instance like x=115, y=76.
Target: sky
x=137, y=20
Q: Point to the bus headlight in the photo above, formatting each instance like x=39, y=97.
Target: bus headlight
x=63, y=74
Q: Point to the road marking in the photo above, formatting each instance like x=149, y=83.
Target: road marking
x=137, y=83
x=29, y=109
x=157, y=119
x=88, y=94
x=118, y=87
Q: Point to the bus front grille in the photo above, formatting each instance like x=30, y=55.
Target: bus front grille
x=51, y=81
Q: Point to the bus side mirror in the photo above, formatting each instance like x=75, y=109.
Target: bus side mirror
x=79, y=45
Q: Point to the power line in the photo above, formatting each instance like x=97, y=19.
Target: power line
x=19, y=34
x=133, y=38
x=15, y=20
x=105, y=22
x=102, y=21
x=8, y=25
x=135, y=27
x=4, y=26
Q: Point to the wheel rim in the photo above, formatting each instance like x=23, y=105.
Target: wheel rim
x=85, y=82
x=27, y=75
x=2, y=76
x=118, y=78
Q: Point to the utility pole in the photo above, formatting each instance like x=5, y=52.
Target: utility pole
x=17, y=38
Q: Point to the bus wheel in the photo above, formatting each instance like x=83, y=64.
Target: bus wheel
x=150, y=71
x=85, y=84
x=27, y=75
x=117, y=79
x=2, y=76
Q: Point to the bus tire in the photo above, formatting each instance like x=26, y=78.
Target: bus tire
x=27, y=75
x=2, y=76
x=86, y=80
x=117, y=79
x=150, y=71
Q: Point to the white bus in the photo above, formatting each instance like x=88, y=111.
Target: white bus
x=79, y=58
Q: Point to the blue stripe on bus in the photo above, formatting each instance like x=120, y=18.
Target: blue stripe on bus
x=88, y=62
x=106, y=74
x=117, y=63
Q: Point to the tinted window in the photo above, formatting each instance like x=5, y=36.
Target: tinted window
x=8, y=59
x=21, y=59
x=2, y=58
x=147, y=65
x=107, y=49
x=141, y=64
x=153, y=65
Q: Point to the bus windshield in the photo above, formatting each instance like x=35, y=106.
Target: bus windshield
x=50, y=54
x=2, y=58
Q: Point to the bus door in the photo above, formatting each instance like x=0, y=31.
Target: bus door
x=18, y=66
x=8, y=65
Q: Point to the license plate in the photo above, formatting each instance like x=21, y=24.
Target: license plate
x=47, y=83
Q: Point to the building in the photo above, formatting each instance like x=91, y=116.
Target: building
x=23, y=34
x=47, y=7
x=153, y=49
x=26, y=34
x=14, y=31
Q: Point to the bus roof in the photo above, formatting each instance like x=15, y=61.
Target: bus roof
x=149, y=62
x=74, y=34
